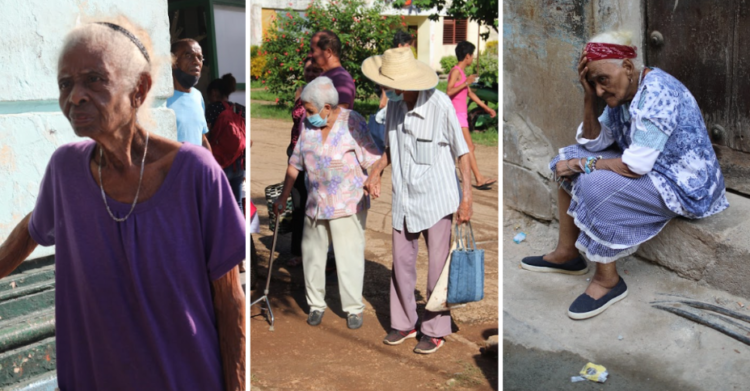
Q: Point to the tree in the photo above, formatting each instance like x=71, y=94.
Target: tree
x=362, y=30
x=484, y=12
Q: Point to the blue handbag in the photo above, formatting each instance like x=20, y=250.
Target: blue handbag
x=466, y=278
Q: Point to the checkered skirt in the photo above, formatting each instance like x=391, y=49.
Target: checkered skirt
x=615, y=214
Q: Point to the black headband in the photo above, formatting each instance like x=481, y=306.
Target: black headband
x=129, y=35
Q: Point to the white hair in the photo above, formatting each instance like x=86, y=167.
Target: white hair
x=118, y=51
x=619, y=37
x=320, y=92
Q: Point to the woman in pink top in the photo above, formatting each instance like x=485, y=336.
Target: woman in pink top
x=458, y=90
x=334, y=150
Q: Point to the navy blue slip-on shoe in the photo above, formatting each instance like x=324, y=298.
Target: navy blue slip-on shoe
x=585, y=306
x=575, y=266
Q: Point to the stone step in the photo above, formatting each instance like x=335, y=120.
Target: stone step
x=20, y=365
x=27, y=300
x=28, y=277
x=44, y=382
x=27, y=329
x=714, y=250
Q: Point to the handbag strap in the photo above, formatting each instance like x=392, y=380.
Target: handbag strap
x=462, y=237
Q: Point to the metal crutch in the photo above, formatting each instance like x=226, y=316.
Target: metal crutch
x=269, y=316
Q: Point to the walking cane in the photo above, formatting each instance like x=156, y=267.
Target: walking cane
x=269, y=315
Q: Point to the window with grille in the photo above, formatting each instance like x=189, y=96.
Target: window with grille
x=454, y=30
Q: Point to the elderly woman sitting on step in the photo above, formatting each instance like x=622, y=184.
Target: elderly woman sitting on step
x=644, y=161
x=334, y=149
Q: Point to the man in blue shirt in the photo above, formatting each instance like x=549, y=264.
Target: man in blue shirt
x=187, y=102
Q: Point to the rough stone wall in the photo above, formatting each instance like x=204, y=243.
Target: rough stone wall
x=542, y=98
x=31, y=124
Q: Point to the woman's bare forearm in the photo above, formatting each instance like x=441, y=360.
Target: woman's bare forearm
x=16, y=248
x=616, y=165
x=229, y=305
x=591, y=125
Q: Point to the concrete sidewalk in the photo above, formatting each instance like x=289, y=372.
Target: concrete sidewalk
x=631, y=338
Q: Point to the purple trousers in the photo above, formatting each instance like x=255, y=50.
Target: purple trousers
x=404, y=277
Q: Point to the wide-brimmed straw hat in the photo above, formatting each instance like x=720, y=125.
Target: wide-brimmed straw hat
x=398, y=69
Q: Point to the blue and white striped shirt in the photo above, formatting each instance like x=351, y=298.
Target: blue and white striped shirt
x=424, y=144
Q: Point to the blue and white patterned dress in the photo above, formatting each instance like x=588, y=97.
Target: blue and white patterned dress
x=662, y=137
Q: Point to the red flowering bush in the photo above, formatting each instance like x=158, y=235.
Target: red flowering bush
x=362, y=30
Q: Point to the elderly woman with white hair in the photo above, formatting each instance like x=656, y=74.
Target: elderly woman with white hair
x=335, y=149
x=646, y=160
x=147, y=233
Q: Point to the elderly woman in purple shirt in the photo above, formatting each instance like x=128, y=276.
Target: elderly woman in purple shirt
x=147, y=233
x=335, y=149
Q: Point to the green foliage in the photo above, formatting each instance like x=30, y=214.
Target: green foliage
x=448, y=62
x=484, y=12
x=362, y=30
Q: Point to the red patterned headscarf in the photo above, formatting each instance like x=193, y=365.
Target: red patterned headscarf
x=602, y=51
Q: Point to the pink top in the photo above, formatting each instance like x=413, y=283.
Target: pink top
x=335, y=167
x=459, y=100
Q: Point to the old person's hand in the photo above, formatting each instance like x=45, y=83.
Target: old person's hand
x=463, y=215
x=567, y=168
x=583, y=71
x=279, y=206
x=372, y=186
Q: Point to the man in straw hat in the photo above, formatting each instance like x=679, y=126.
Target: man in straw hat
x=423, y=139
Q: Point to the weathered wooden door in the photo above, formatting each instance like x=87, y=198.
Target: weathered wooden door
x=706, y=45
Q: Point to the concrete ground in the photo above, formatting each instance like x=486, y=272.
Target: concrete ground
x=642, y=347
x=332, y=357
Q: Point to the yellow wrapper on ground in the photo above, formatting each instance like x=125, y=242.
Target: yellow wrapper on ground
x=594, y=372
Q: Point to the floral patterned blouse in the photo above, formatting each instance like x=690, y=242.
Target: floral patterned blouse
x=336, y=167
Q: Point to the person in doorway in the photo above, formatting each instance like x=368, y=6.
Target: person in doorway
x=458, y=90
x=423, y=140
x=147, y=236
x=334, y=150
x=187, y=102
x=646, y=160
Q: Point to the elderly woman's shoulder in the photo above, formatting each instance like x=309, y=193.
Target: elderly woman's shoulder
x=74, y=150
x=658, y=79
x=196, y=159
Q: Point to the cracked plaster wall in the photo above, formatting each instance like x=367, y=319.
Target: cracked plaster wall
x=31, y=124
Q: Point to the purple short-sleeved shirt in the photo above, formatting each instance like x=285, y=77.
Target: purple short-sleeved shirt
x=344, y=84
x=134, y=309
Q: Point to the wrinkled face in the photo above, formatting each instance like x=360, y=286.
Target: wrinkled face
x=611, y=81
x=311, y=110
x=189, y=58
x=312, y=70
x=92, y=94
x=319, y=56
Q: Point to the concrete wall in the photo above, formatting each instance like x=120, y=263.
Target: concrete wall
x=31, y=124
x=542, y=98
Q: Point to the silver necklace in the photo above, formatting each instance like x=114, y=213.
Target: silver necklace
x=135, y=201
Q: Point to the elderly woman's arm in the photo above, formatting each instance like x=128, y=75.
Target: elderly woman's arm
x=229, y=305
x=568, y=168
x=291, y=176
x=16, y=248
x=591, y=125
x=372, y=184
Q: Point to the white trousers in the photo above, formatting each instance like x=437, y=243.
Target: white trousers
x=348, y=237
